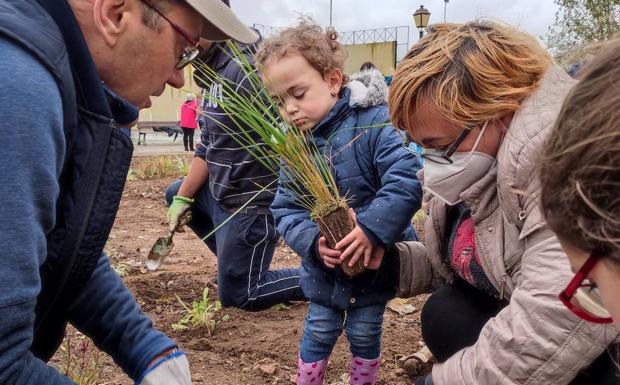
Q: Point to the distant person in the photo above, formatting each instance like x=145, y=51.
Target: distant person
x=304, y=65
x=189, y=122
x=367, y=66
x=224, y=178
x=580, y=173
x=87, y=66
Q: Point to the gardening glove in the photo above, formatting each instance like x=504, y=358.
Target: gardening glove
x=179, y=206
x=170, y=370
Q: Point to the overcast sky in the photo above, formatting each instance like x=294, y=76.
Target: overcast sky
x=533, y=16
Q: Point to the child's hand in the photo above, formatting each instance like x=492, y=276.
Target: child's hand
x=329, y=256
x=357, y=244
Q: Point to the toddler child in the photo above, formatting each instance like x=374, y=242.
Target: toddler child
x=303, y=69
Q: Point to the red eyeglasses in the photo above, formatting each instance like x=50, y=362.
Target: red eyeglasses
x=189, y=53
x=582, y=297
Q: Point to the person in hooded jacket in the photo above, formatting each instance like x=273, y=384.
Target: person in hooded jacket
x=349, y=124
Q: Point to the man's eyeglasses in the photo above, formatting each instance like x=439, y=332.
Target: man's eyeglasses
x=582, y=297
x=189, y=53
x=443, y=156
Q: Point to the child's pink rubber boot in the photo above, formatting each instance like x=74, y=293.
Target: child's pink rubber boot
x=311, y=373
x=364, y=372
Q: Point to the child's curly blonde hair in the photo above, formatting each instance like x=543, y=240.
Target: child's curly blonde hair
x=320, y=47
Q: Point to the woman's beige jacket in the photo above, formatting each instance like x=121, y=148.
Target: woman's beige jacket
x=535, y=340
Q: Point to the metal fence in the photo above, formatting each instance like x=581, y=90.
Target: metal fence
x=399, y=34
x=266, y=30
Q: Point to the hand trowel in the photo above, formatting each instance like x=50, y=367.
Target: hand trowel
x=163, y=246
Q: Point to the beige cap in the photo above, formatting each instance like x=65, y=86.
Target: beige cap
x=221, y=23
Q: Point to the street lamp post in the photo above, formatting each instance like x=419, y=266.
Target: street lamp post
x=420, y=17
x=445, y=7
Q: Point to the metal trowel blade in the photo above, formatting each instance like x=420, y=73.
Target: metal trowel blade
x=160, y=250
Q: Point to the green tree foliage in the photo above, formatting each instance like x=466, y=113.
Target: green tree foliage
x=580, y=23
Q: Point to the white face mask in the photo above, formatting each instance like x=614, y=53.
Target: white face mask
x=448, y=181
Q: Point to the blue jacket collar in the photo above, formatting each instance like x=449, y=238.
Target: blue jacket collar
x=123, y=112
x=335, y=116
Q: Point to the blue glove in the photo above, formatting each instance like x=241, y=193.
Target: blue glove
x=170, y=370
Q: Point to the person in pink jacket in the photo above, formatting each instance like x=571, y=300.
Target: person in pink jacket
x=188, y=121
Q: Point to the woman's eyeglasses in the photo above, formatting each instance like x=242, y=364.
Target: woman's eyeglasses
x=444, y=156
x=189, y=53
x=582, y=297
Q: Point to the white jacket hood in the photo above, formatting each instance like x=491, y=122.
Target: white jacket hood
x=368, y=88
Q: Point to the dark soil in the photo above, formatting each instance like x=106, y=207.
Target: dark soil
x=248, y=348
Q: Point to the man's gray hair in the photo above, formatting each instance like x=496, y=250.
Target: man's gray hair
x=150, y=18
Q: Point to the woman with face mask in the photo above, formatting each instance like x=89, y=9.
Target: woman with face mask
x=480, y=99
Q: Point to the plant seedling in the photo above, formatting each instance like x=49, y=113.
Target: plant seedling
x=202, y=314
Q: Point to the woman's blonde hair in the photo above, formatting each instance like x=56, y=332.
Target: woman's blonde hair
x=470, y=73
x=320, y=47
x=580, y=167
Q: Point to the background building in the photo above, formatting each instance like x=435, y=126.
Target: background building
x=383, y=47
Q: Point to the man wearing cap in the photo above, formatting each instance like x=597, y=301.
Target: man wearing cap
x=87, y=66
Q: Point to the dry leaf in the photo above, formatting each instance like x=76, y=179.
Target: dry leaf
x=401, y=306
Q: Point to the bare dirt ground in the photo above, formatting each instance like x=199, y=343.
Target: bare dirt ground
x=248, y=348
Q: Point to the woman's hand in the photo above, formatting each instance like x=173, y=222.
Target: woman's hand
x=376, y=258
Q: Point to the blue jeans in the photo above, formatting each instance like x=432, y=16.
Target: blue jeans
x=324, y=325
x=244, y=248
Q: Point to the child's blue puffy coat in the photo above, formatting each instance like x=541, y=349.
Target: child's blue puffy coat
x=378, y=176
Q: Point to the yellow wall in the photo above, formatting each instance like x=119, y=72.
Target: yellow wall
x=382, y=55
x=167, y=106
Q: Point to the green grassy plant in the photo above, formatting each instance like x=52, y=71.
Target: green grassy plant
x=122, y=269
x=131, y=174
x=182, y=165
x=159, y=167
x=204, y=313
x=271, y=140
x=156, y=167
x=260, y=129
x=280, y=307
